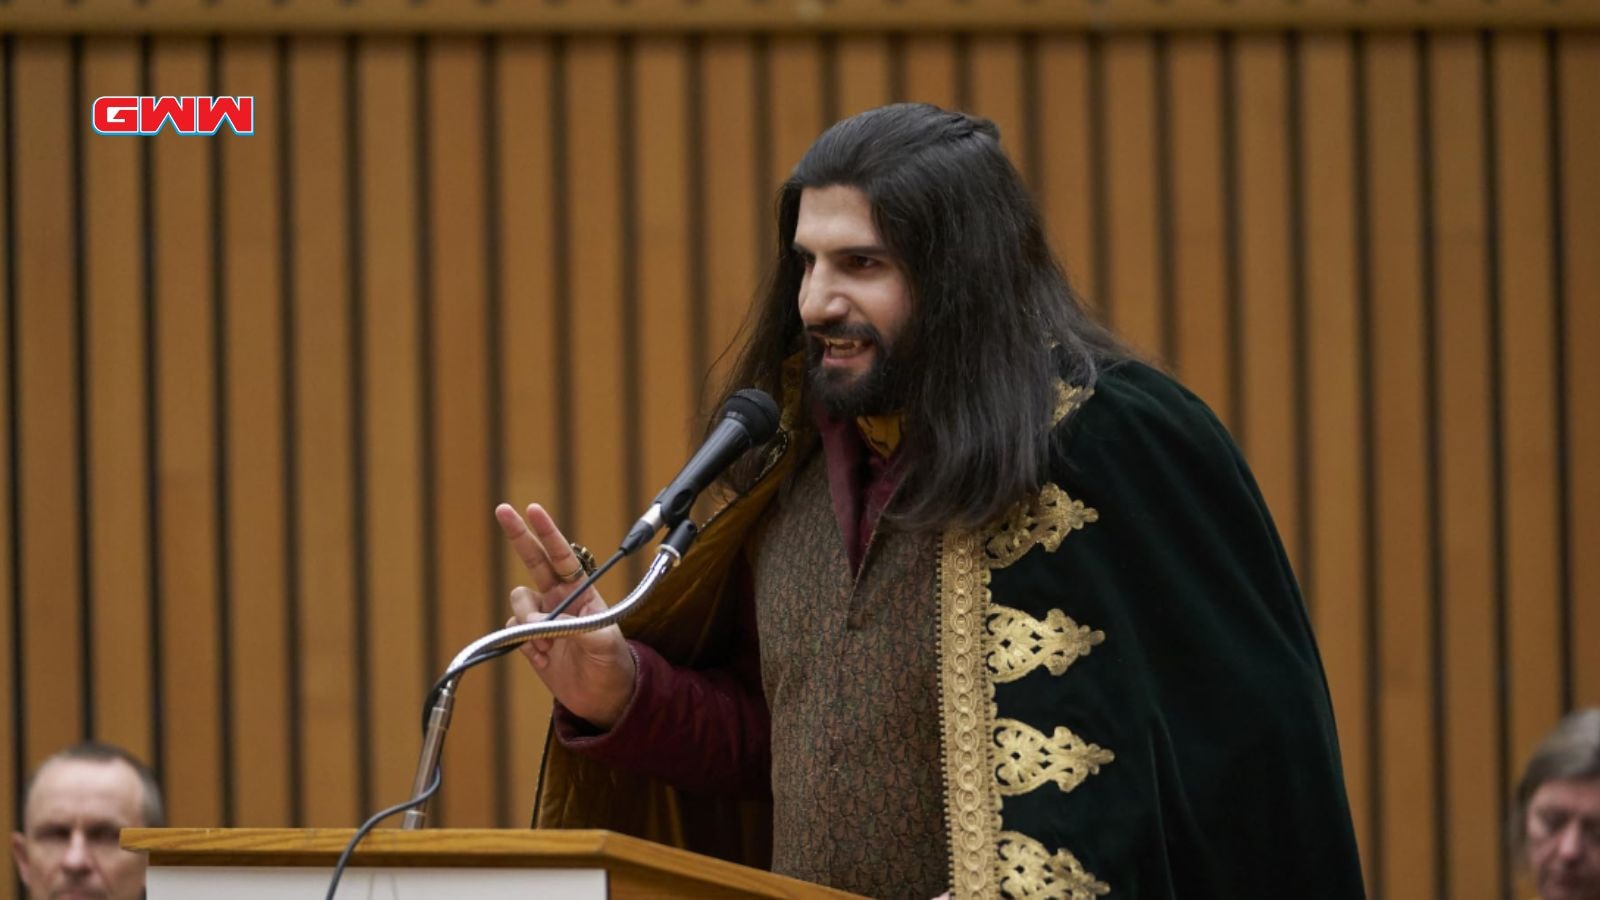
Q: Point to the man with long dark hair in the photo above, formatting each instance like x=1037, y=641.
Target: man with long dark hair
x=1000, y=612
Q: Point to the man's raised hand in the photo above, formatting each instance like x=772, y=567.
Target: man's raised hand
x=590, y=674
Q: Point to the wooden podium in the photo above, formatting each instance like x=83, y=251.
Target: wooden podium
x=482, y=864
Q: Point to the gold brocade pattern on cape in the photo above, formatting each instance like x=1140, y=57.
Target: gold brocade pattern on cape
x=1029, y=871
x=967, y=716
x=974, y=656
x=1029, y=758
x=1019, y=643
x=1046, y=520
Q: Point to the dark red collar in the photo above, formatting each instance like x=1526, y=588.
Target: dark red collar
x=860, y=482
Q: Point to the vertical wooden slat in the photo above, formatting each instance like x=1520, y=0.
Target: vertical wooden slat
x=528, y=349
x=321, y=344
x=1530, y=492
x=1066, y=175
x=391, y=413
x=1578, y=71
x=1199, y=227
x=186, y=441
x=930, y=69
x=119, y=560
x=1132, y=285
x=1338, y=582
x=1266, y=290
x=796, y=102
x=661, y=157
x=47, y=422
x=1464, y=463
x=862, y=72
x=593, y=84
x=11, y=749
x=1400, y=485
x=789, y=101
x=258, y=572
x=732, y=251
x=461, y=430
x=998, y=92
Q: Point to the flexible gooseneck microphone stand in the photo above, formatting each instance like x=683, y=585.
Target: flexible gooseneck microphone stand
x=749, y=419
x=668, y=554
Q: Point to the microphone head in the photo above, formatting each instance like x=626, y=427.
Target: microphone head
x=756, y=411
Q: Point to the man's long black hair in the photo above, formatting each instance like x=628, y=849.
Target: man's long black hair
x=993, y=326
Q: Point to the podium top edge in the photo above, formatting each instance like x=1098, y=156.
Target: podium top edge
x=461, y=848
x=272, y=843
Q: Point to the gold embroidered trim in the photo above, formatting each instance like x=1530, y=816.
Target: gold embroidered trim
x=1019, y=643
x=1028, y=759
x=984, y=862
x=1046, y=518
x=967, y=716
x=1068, y=398
x=1028, y=871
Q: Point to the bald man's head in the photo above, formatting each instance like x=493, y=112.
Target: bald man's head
x=76, y=806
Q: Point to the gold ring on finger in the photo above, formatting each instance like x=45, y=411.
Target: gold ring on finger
x=586, y=564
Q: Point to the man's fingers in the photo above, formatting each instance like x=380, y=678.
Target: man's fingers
x=540, y=545
x=563, y=562
x=525, y=605
x=525, y=609
x=527, y=546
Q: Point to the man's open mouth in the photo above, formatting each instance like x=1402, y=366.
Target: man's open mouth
x=837, y=348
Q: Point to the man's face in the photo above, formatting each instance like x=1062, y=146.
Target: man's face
x=854, y=301
x=74, y=814
x=1564, y=839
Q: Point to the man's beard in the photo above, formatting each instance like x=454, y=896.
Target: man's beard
x=880, y=390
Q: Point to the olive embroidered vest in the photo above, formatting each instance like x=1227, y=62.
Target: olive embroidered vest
x=849, y=665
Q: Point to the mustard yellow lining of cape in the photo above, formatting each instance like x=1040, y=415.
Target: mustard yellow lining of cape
x=690, y=614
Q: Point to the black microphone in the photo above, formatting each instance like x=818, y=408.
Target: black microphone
x=749, y=419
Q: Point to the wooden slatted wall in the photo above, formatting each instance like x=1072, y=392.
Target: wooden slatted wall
x=262, y=392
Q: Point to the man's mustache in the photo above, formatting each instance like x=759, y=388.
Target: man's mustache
x=845, y=331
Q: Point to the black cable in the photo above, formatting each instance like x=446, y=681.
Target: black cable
x=593, y=577
x=367, y=826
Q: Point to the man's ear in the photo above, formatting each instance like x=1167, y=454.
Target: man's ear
x=19, y=852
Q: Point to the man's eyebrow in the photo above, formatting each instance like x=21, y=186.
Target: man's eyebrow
x=858, y=250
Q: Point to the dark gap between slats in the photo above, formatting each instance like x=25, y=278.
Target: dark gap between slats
x=1497, y=451
x=290, y=413
x=494, y=400
x=356, y=289
x=219, y=425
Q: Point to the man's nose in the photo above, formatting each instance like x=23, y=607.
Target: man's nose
x=820, y=301
x=77, y=857
x=1569, y=843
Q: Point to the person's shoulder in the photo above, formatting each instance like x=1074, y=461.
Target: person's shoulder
x=1134, y=409
x=1135, y=378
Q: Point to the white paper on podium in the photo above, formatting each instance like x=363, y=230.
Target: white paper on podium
x=369, y=883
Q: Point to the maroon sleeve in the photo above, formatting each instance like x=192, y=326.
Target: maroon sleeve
x=696, y=729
